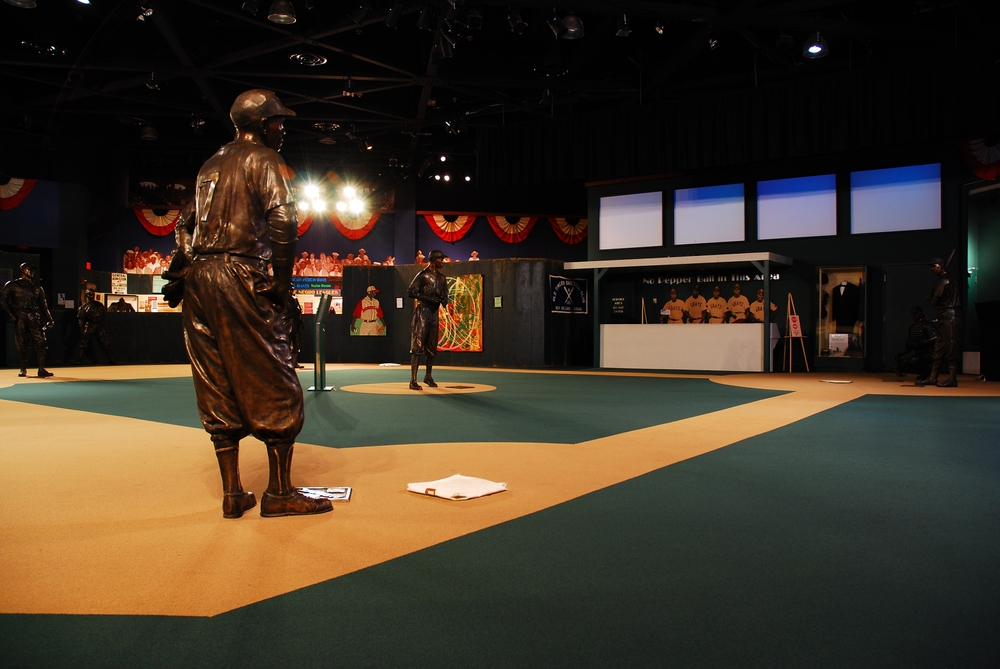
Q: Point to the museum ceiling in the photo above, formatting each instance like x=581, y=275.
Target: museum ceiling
x=388, y=86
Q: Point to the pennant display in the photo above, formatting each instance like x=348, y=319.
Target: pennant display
x=448, y=227
x=14, y=191
x=512, y=229
x=569, y=230
x=354, y=227
x=159, y=222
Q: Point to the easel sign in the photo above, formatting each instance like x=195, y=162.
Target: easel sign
x=794, y=326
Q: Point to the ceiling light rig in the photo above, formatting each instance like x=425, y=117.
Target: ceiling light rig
x=45, y=50
x=349, y=91
x=144, y=12
x=326, y=127
x=282, y=12
x=307, y=59
x=623, y=27
x=517, y=24
x=815, y=47
x=361, y=13
x=392, y=18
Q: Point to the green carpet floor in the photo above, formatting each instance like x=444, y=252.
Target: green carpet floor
x=865, y=536
x=524, y=407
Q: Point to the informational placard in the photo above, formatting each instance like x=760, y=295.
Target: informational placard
x=567, y=296
x=794, y=326
x=119, y=283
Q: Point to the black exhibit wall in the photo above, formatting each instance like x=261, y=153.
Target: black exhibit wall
x=872, y=251
x=522, y=332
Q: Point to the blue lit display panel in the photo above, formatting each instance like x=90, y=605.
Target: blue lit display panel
x=800, y=207
x=896, y=199
x=709, y=214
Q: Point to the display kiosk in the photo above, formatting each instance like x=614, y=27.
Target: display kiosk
x=739, y=347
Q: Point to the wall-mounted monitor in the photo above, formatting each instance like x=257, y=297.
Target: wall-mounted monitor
x=709, y=214
x=631, y=221
x=800, y=207
x=896, y=199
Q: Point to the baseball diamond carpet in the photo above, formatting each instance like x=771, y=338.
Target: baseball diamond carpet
x=652, y=520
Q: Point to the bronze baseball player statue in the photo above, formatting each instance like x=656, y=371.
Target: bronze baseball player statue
x=430, y=289
x=240, y=221
x=948, y=326
x=90, y=318
x=24, y=301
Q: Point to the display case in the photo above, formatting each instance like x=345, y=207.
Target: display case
x=841, y=327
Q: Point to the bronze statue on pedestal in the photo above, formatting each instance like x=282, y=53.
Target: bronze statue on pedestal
x=430, y=289
x=240, y=221
x=24, y=301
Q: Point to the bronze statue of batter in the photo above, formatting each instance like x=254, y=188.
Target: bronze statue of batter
x=948, y=345
x=24, y=301
x=242, y=219
x=430, y=289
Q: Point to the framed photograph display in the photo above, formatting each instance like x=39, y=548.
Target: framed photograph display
x=841, y=328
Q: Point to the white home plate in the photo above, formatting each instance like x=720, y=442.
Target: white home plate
x=444, y=388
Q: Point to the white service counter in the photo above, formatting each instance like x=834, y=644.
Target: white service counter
x=713, y=347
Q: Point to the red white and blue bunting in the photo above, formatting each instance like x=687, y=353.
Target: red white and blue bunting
x=354, y=227
x=982, y=158
x=14, y=191
x=450, y=228
x=512, y=229
x=569, y=230
x=159, y=222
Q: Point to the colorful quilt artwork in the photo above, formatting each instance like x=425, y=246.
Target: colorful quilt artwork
x=460, y=324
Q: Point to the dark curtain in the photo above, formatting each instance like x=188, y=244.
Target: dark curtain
x=897, y=104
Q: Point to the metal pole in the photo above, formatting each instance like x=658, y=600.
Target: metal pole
x=319, y=341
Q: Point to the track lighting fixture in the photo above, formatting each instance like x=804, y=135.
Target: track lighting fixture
x=392, y=18
x=148, y=133
x=426, y=19
x=712, y=43
x=659, y=27
x=281, y=13
x=250, y=7
x=23, y=4
x=623, y=27
x=572, y=26
x=144, y=12
x=361, y=13
x=517, y=24
x=474, y=19
x=153, y=84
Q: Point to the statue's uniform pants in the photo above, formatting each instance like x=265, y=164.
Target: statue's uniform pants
x=948, y=345
x=424, y=331
x=244, y=377
x=28, y=329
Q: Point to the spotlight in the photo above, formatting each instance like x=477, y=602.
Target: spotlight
x=153, y=84
x=712, y=43
x=446, y=45
x=84, y=2
x=443, y=158
x=437, y=177
x=815, y=47
x=318, y=205
x=326, y=127
x=555, y=25
x=623, y=27
x=573, y=27
x=144, y=12
x=281, y=13
x=517, y=24
x=361, y=13
x=148, y=133
x=349, y=92
x=250, y=6
x=426, y=19
x=356, y=206
x=341, y=206
x=474, y=19
x=311, y=191
x=446, y=177
x=303, y=205
x=392, y=18
x=197, y=123
x=367, y=145
x=23, y=4
x=468, y=178
x=348, y=192
x=659, y=27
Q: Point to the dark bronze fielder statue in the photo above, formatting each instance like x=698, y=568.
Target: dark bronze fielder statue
x=948, y=345
x=430, y=289
x=241, y=219
x=90, y=318
x=24, y=301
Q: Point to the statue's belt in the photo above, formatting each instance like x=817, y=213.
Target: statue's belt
x=228, y=257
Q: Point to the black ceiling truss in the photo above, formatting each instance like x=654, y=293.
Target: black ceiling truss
x=404, y=91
